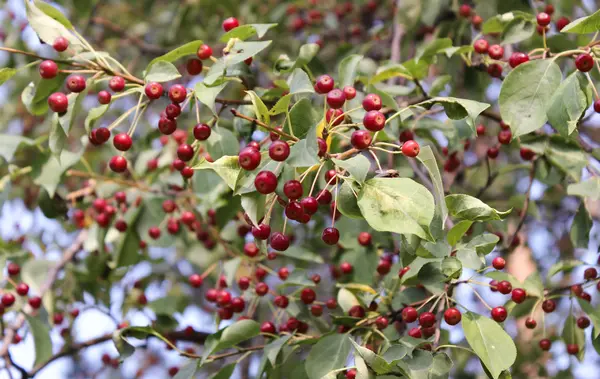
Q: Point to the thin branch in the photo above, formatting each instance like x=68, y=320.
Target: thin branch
x=260, y=123
x=523, y=214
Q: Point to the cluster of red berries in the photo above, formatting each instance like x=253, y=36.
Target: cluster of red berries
x=465, y=11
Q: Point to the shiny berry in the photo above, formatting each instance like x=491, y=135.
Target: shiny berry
x=361, y=139
x=116, y=83
x=230, y=23
x=504, y=287
x=518, y=295
x=261, y=289
x=154, y=90
x=545, y=344
x=265, y=182
x=279, y=150
x=292, y=189
x=280, y=241
x=330, y=236
x=504, y=136
x=324, y=84
x=411, y=148
x=584, y=62
x=194, y=66
x=177, y=93
x=308, y=295
x=549, y=306
x=496, y=52
x=204, y=52
x=452, y=316
x=76, y=83
x=202, y=132
x=349, y=92
x=481, y=46
x=118, y=163
x=48, y=69
x=336, y=98
x=372, y=102
x=195, y=280
x=517, y=59
x=381, y=322
x=60, y=44
x=334, y=116
x=561, y=23
x=498, y=263
x=543, y=19
x=122, y=141
x=499, y=314
x=530, y=323
x=572, y=349
x=374, y=120
x=58, y=102
x=426, y=319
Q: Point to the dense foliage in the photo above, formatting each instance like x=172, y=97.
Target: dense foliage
x=349, y=189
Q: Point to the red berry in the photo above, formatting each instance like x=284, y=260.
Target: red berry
x=324, y=84
x=76, y=83
x=308, y=295
x=415, y=333
x=409, y=314
x=349, y=92
x=279, y=150
x=292, y=189
x=283, y=273
x=261, y=289
x=561, y=23
x=178, y=164
x=330, y=236
x=549, y=306
x=481, y=46
x=154, y=232
x=583, y=322
x=364, y=238
x=374, y=120
x=494, y=70
x=172, y=111
x=504, y=287
x=13, y=269
x=480, y=130
x=330, y=175
x=403, y=271
x=261, y=232
x=48, y=69
x=58, y=102
x=383, y=267
x=177, y=93
x=334, y=116
x=530, y=323
x=104, y=97
x=250, y=249
x=499, y=314
x=346, y=268
x=322, y=146
x=526, y=154
x=543, y=19
x=122, y=141
x=118, y=163
x=121, y=225
x=8, y=299
x=316, y=310
x=411, y=148
x=281, y=301
x=22, y=289
x=336, y=98
x=154, y=90
x=356, y=311
x=381, y=322
x=584, y=62
x=204, y=52
x=280, y=241
x=185, y=152
x=35, y=302
x=230, y=23
x=452, y=316
x=194, y=66
x=426, y=319
x=496, y=52
x=310, y=205
x=406, y=135
x=545, y=344
x=518, y=295
x=265, y=182
x=517, y=59
x=167, y=126
x=244, y=283
x=187, y=172
x=267, y=327
x=60, y=44
x=116, y=83
x=493, y=152
x=372, y=102
x=249, y=159
x=464, y=10
x=504, y=136
x=361, y=139
x=573, y=349
x=195, y=280
x=597, y=106
x=590, y=273
x=499, y=263
x=202, y=132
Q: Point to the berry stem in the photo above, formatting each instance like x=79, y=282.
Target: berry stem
x=479, y=297
x=260, y=123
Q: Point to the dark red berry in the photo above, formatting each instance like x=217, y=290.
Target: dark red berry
x=426, y=319
x=280, y=241
x=543, y=19
x=58, y=102
x=364, y=238
x=561, y=23
x=194, y=66
x=279, y=150
x=204, y=52
x=202, y=132
x=372, y=102
x=452, y=316
x=517, y=59
x=336, y=98
x=122, y=141
x=411, y=148
x=545, y=344
x=549, y=306
x=60, y=44
x=330, y=236
x=185, y=152
x=116, y=83
x=118, y=163
x=177, y=93
x=154, y=90
x=230, y=23
x=504, y=136
x=518, y=295
x=104, y=97
x=48, y=69
x=499, y=263
x=76, y=83
x=481, y=46
x=265, y=182
x=374, y=120
x=499, y=314
x=249, y=159
x=308, y=295
x=324, y=84
x=584, y=62
x=361, y=139
x=496, y=52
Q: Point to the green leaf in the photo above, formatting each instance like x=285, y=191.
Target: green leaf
x=469, y=258
x=437, y=46
x=567, y=156
x=6, y=73
x=357, y=166
x=242, y=50
x=458, y=231
x=9, y=143
x=50, y=173
x=593, y=314
x=301, y=254
x=388, y=72
x=471, y=208
x=398, y=205
x=533, y=285
x=490, y=342
x=254, y=206
x=374, y=361
x=230, y=336
x=207, y=95
x=584, y=25
x=483, y=243
x=41, y=339
x=587, y=189
x=427, y=158
x=569, y=103
x=439, y=84
x=451, y=267
x=458, y=109
x=49, y=24
x=517, y=30
x=346, y=299
x=227, y=371
x=302, y=118
x=327, y=355
x=563, y=266
x=581, y=227
x=222, y=142
x=273, y=349
x=304, y=153
x=190, y=48
x=348, y=70
x=161, y=71
x=93, y=115
x=34, y=272
x=188, y=370
x=260, y=109
x=525, y=95
x=243, y=32
x=347, y=202
x=572, y=334
x=299, y=82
